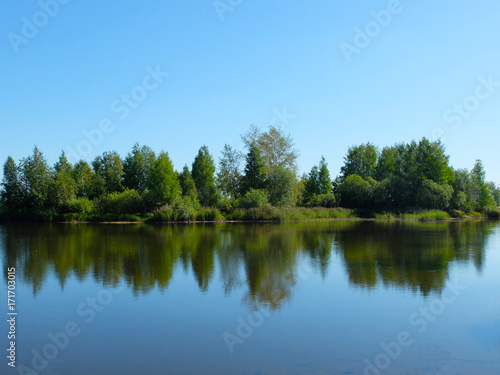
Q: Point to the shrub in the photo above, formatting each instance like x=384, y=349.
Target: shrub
x=322, y=200
x=434, y=196
x=185, y=209
x=162, y=214
x=126, y=202
x=493, y=214
x=254, y=198
x=208, y=214
x=79, y=206
x=457, y=214
x=354, y=192
x=280, y=185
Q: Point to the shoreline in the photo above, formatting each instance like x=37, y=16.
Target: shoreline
x=451, y=220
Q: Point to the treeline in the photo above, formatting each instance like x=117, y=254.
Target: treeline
x=145, y=184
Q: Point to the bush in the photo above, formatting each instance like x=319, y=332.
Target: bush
x=280, y=185
x=434, y=196
x=185, y=209
x=354, y=192
x=493, y=214
x=322, y=200
x=79, y=206
x=208, y=214
x=162, y=214
x=254, y=198
x=457, y=214
x=127, y=202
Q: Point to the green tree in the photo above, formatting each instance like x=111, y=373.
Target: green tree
x=494, y=191
x=360, y=160
x=137, y=167
x=12, y=192
x=163, y=182
x=63, y=186
x=83, y=176
x=431, y=162
x=188, y=187
x=280, y=185
x=276, y=146
x=62, y=189
x=229, y=176
x=480, y=192
x=462, y=198
x=312, y=184
x=434, y=196
x=324, y=180
x=203, y=173
x=254, y=198
x=387, y=162
x=35, y=180
x=108, y=170
x=63, y=165
x=254, y=176
x=354, y=192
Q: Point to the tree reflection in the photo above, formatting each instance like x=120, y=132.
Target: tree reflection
x=263, y=258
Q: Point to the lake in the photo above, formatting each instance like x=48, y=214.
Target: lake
x=353, y=297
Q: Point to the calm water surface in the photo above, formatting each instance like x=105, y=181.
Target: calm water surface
x=303, y=298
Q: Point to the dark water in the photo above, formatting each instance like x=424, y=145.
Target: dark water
x=308, y=298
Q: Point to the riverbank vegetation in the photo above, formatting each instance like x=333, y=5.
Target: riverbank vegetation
x=412, y=181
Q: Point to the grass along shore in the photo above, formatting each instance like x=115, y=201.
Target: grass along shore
x=266, y=213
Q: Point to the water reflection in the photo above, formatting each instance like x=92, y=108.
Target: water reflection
x=263, y=258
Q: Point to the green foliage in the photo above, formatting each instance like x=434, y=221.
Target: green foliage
x=254, y=198
x=126, y=202
x=317, y=183
x=108, y=170
x=208, y=214
x=480, y=192
x=426, y=215
x=83, y=177
x=322, y=200
x=63, y=165
x=229, y=176
x=188, y=187
x=203, y=173
x=254, y=176
x=137, y=168
x=35, y=180
x=280, y=185
x=411, y=177
x=360, y=160
x=431, y=163
x=163, y=182
x=493, y=214
x=79, y=206
x=354, y=192
x=62, y=189
x=12, y=193
x=434, y=196
x=277, y=148
x=185, y=209
x=495, y=192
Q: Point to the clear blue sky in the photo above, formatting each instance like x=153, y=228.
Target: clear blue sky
x=263, y=57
